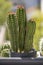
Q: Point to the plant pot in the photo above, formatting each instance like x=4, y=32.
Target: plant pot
x=25, y=54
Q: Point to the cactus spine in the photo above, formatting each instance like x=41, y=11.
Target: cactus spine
x=13, y=31
x=21, y=17
x=30, y=30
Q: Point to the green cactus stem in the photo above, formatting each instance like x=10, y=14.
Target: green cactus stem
x=30, y=31
x=13, y=31
x=21, y=17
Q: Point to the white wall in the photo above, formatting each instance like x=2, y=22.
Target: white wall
x=42, y=5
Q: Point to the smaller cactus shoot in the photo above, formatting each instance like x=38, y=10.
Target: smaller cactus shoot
x=5, y=53
x=13, y=31
x=30, y=31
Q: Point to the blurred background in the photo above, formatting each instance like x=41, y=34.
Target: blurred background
x=34, y=8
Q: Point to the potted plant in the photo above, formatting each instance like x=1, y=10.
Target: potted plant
x=21, y=33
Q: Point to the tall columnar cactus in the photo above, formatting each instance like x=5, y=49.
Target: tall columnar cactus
x=21, y=17
x=13, y=31
x=30, y=30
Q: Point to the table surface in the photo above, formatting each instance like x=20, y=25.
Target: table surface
x=21, y=61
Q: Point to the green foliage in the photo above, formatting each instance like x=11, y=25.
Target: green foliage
x=4, y=9
x=5, y=53
x=5, y=50
x=5, y=46
x=38, y=17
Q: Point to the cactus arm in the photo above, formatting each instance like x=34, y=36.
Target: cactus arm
x=30, y=31
x=12, y=26
x=15, y=24
x=11, y=33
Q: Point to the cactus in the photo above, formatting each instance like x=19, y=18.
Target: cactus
x=21, y=31
x=21, y=17
x=13, y=31
x=5, y=53
x=6, y=46
x=30, y=30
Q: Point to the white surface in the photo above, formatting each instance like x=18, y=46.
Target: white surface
x=42, y=6
x=19, y=58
